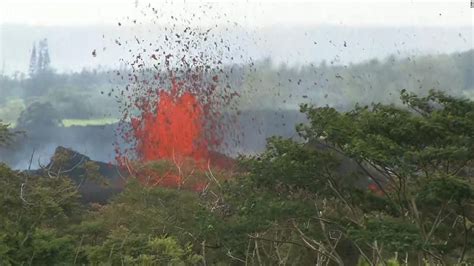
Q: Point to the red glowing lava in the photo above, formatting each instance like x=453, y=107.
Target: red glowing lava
x=172, y=130
x=177, y=107
x=173, y=137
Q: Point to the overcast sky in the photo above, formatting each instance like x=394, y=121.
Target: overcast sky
x=247, y=12
x=372, y=28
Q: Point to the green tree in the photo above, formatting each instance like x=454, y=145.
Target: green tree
x=417, y=207
x=425, y=152
x=34, y=219
x=5, y=134
x=39, y=116
x=144, y=225
x=33, y=67
x=44, y=61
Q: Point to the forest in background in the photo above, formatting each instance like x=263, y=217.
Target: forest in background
x=84, y=98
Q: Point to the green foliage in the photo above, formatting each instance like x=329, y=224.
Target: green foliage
x=124, y=246
x=370, y=202
x=397, y=138
x=371, y=186
x=11, y=110
x=395, y=235
x=151, y=210
x=448, y=189
x=424, y=153
x=290, y=164
x=5, y=134
x=34, y=219
x=39, y=115
x=418, y=157
x=390, y=262
x=143, y=225
x=50, y=247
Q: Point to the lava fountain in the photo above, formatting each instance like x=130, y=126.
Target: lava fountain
x=173, y=129
x=175, y=132
x=178, y=105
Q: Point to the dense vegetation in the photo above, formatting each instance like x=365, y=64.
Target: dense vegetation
x=290, y=205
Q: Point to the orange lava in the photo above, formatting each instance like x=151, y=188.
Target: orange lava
x=176, y=129
x=172, y=130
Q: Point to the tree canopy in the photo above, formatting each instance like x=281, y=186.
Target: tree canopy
x=5, y=134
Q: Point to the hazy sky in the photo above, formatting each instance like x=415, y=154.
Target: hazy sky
x=372, y=28
x=247, y=12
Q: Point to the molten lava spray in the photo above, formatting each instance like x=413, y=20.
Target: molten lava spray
x=174, y=130
x=178, y=104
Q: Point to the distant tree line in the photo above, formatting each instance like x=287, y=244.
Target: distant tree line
x=261, y=85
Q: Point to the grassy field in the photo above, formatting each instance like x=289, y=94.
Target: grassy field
x=78, y=122
x=89, y=122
